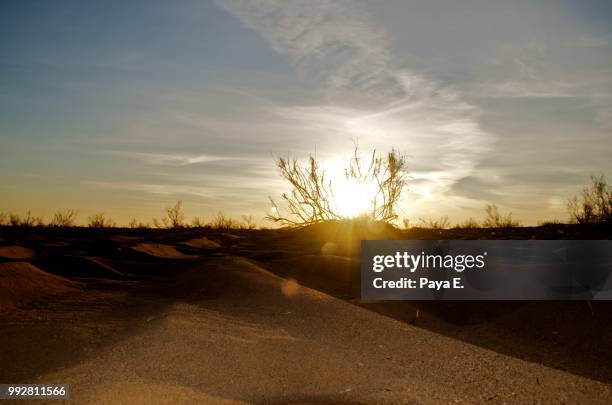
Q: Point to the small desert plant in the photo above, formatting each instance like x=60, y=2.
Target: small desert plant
x=249, y=222
x=14, y=220
x=469, y=223
x=220, y=221
x=494, y=219
x=387, y=172
x=99, y=220
x=594, y=204
x=135, y=224
x=436, y=224
x=31, y=220
x=175, y=217
x=309, y=200
x=312, y=198
x=3, y=218
x=159, y=224
x=64, y=218
x=406, y=223
x=198, y=222
x=550, y=222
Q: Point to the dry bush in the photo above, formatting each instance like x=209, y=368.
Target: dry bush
x=469, y=223
x=31, y=220
x=406, y=223
x=387, y=172
x=311, y=199
x=99, y=220
x=198, y=222
x=249, y=222
x=15, y=220
x=436, y=224
x=594, y=204
x=550, y=222
x=494, y=219
x=135, y=224
x=64, y=218
x=175, y=217
x=220, y=221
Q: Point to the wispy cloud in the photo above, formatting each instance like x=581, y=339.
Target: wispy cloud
x=173, y=159
x=160, y=189
x=366, y=93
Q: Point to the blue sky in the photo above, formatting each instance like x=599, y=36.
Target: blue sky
x=126, y=106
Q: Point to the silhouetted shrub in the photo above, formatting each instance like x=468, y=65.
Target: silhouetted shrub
x=494, y=219
x=312, y=199
x=64, y=218
x=406, y=223
x=220, y=221
x=550, y=222
x=594, y=204
x=135, y=224
x=15, y=220
x=31, y=220
x=198, y=222
x=175, y=217
x=99, y=220
x=469, y=223
x=249, y=222
x=437, y=224
x=159, y=224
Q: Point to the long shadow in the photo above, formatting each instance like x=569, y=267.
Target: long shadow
x=572, y=336
x=61, y=331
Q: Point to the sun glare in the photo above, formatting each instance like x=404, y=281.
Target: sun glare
x=352, y=197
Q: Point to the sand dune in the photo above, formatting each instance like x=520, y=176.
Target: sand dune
x=78, y=266
x=160, y=250
x=233, y=334
x=22, y=283
x=16, y=252
x=202, y=243
x=272, y=319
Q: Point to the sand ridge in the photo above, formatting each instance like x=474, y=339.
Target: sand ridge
x=161, y=250
x=277, y=318
x=243, y=339
x=22, y=283
x=16, y=252
x=202, y=243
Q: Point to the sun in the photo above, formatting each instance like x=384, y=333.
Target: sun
x=351, y=197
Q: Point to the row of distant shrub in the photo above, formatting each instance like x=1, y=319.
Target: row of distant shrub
x=60, y=218
x=493, y=219
x=174, y=218
x=592, y=205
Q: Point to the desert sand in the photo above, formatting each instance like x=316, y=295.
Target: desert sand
x=207, y=316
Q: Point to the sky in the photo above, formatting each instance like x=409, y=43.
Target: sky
x=128, y=106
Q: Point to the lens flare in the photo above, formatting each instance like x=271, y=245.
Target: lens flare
x=352, y=197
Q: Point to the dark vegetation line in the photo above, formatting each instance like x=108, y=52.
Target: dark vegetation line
x=312, y=200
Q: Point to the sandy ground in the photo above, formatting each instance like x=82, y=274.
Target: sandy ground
x=224, y=327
